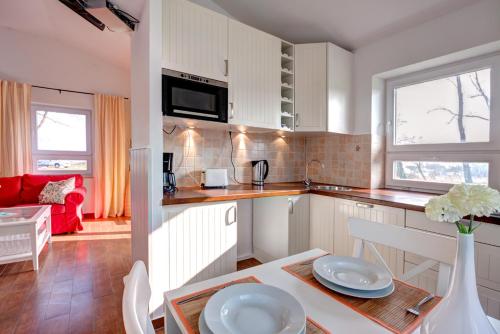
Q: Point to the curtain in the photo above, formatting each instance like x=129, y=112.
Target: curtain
x=111, y=156
x=15, y=128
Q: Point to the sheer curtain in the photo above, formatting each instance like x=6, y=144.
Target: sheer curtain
x=111, y=156
x=15, y=128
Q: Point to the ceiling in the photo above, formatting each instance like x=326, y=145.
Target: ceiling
x=347, y=23
x=50, y=18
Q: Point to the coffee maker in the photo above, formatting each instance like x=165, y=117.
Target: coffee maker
x=169, y=185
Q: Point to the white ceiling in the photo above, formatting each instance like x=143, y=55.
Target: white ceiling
x=50, y=18
x=347, y=23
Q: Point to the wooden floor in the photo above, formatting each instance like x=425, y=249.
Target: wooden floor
x=79, y=286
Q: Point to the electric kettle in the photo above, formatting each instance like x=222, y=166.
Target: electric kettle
x=260, y=169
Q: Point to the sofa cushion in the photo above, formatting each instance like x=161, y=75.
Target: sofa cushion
x=10, y=190
x=33, y=185
x=55, y=192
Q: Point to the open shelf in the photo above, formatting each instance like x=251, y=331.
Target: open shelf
x=287, y=86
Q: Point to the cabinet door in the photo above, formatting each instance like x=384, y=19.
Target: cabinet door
x=270, y=228
x=322, y=220
x=194, y=39
x=254, y=77
x=490, y=300
x=343, y=243
x=340, y=113
x=298, y=208
x=198, y=242
x=310, y=87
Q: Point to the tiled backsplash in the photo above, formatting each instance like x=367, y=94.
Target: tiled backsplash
x=346, y=157
x=197, y=149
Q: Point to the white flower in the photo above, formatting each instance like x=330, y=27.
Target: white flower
x=474, y=200
x=441, y=209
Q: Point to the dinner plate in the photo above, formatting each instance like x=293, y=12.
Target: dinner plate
x=352, y=273
x=250, y=308
x=352, y=292
x=203, y=328
x=202, y=325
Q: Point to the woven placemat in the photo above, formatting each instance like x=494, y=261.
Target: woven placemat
x=390, y=312
x=189, y=311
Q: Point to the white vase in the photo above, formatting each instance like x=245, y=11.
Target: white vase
x=460, y=310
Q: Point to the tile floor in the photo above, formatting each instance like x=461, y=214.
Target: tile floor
x=79, y=286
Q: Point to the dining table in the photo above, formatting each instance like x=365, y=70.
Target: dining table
x=330, y=315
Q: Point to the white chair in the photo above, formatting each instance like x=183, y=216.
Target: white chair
x=135, y=302
x=436, y=248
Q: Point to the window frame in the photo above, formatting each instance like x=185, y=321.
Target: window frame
x=467, y=152
x=62, y=155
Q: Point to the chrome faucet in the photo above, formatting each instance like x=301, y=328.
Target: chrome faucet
x=308, y=181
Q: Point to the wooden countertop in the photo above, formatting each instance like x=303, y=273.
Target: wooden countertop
x=394, y=198
x=244, y=191
x=409, y=200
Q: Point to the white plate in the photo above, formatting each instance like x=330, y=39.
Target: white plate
x=202, y=325
x=352, y=273
x=355, y=293
x=203, y=328
x=250, y=308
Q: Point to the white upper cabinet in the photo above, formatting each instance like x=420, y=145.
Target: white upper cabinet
x=254, y=77
x=323, y=83
x=310, y=87
x=194, y=39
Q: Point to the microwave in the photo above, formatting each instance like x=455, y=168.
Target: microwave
x=190, y=96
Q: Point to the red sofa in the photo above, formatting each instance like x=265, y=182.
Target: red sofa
x=24, y=191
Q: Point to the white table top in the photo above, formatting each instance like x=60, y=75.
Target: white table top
x=22, y=214
x=326, y=311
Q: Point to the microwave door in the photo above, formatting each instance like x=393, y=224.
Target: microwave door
x=189, y=99
x=194, y=103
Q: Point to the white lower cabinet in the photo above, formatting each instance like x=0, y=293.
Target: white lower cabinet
x=280, y=226
x=198, y=241
x=322, y=220
x=487, y=258
x=343, y=243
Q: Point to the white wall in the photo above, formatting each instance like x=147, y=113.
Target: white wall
x=45, y=62
x=469, y=27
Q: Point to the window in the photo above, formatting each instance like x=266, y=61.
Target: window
x=61, y=140
x=443, y=126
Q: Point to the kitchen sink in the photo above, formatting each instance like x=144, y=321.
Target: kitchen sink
x=331, y=188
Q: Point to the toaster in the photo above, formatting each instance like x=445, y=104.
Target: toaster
x=214, y=178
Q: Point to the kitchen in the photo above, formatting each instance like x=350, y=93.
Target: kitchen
x=279, y=113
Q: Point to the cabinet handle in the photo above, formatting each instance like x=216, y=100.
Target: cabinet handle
x=231, y=105
x=364, y=205
x=297, y=120
x=226, y=65
x=233, y=209
x=290, y=206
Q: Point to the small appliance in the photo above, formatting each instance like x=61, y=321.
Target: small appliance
x=190, y=96
x=214, y=178
x=169, y=185
x=259, y=172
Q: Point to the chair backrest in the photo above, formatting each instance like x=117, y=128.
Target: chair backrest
x=438, y=249
x=135, y=302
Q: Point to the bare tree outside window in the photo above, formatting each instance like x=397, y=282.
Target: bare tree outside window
x=450, y=110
